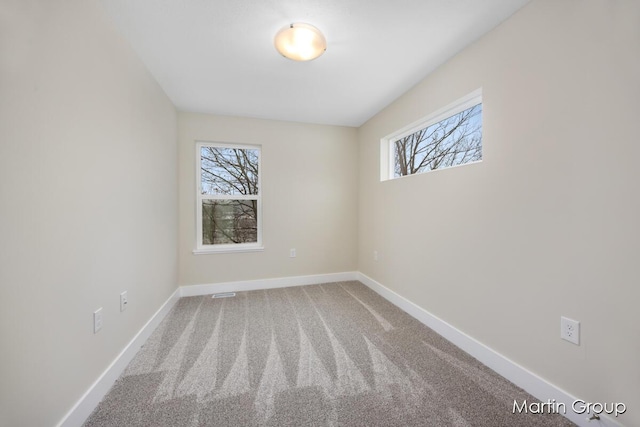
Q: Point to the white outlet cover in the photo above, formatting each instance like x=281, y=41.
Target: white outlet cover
x=123, y=301
x=570, y=330
x=97, y=320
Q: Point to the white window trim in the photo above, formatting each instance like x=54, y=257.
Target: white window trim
x=387, y=167
x=226, y=248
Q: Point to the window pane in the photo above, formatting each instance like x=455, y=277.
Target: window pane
x=229, y=221
x=450, y=142
x=229, y=171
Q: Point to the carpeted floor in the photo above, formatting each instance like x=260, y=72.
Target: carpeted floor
x=333, y=354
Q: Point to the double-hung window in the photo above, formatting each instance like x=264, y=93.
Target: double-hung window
x=228, y=202
x=449, y=137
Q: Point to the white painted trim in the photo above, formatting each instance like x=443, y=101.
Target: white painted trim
x=252, y=285
x=227, y=249
x=387, y=155
x=210, y=249
x=79, y=413
x=464, y=103
x=515, y=373
x=89, y=401
x=520, y=376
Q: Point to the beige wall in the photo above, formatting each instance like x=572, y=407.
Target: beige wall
x=547, y=224
x=309, y=176
x=88, y=194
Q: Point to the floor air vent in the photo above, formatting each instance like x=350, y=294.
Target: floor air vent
x=224, y=295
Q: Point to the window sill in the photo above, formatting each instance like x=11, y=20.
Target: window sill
x=227, y=250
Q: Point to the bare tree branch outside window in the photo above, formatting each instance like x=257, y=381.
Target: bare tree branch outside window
x=229, y=183
x=453, y=141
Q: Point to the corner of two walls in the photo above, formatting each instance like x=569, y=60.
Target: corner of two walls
x=309, y=202
x=88, y=201
x=546, y=225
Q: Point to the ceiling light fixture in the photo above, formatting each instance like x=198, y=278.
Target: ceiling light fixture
x=300, y=42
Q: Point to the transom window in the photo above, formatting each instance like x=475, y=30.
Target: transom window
x=228, y=197
x=450, y=137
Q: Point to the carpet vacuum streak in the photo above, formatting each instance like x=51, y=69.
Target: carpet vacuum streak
x=335, y=354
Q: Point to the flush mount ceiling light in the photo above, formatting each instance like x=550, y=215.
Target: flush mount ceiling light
x=300, y=42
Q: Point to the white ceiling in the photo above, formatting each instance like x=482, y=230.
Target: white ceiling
x=217, y=56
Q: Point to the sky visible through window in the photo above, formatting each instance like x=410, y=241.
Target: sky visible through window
x=229, y=191
x=450, y=142
x=229, y=170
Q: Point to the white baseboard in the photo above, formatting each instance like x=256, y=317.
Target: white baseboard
x=252, y=285
x=520, y=376
x=89, y=401
x=533, y=384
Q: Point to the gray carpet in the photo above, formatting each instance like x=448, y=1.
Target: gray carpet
x=333, y=354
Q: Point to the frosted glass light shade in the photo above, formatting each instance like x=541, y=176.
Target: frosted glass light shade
x=300, y=42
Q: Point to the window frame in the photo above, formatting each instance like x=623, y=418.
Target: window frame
x=227, y=247
x=387, y=154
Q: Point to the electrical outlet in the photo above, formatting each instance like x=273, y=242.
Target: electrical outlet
x=570, y=330
x=292, y=253
x=123, y=301
x=375, y=255
x=97, y=320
